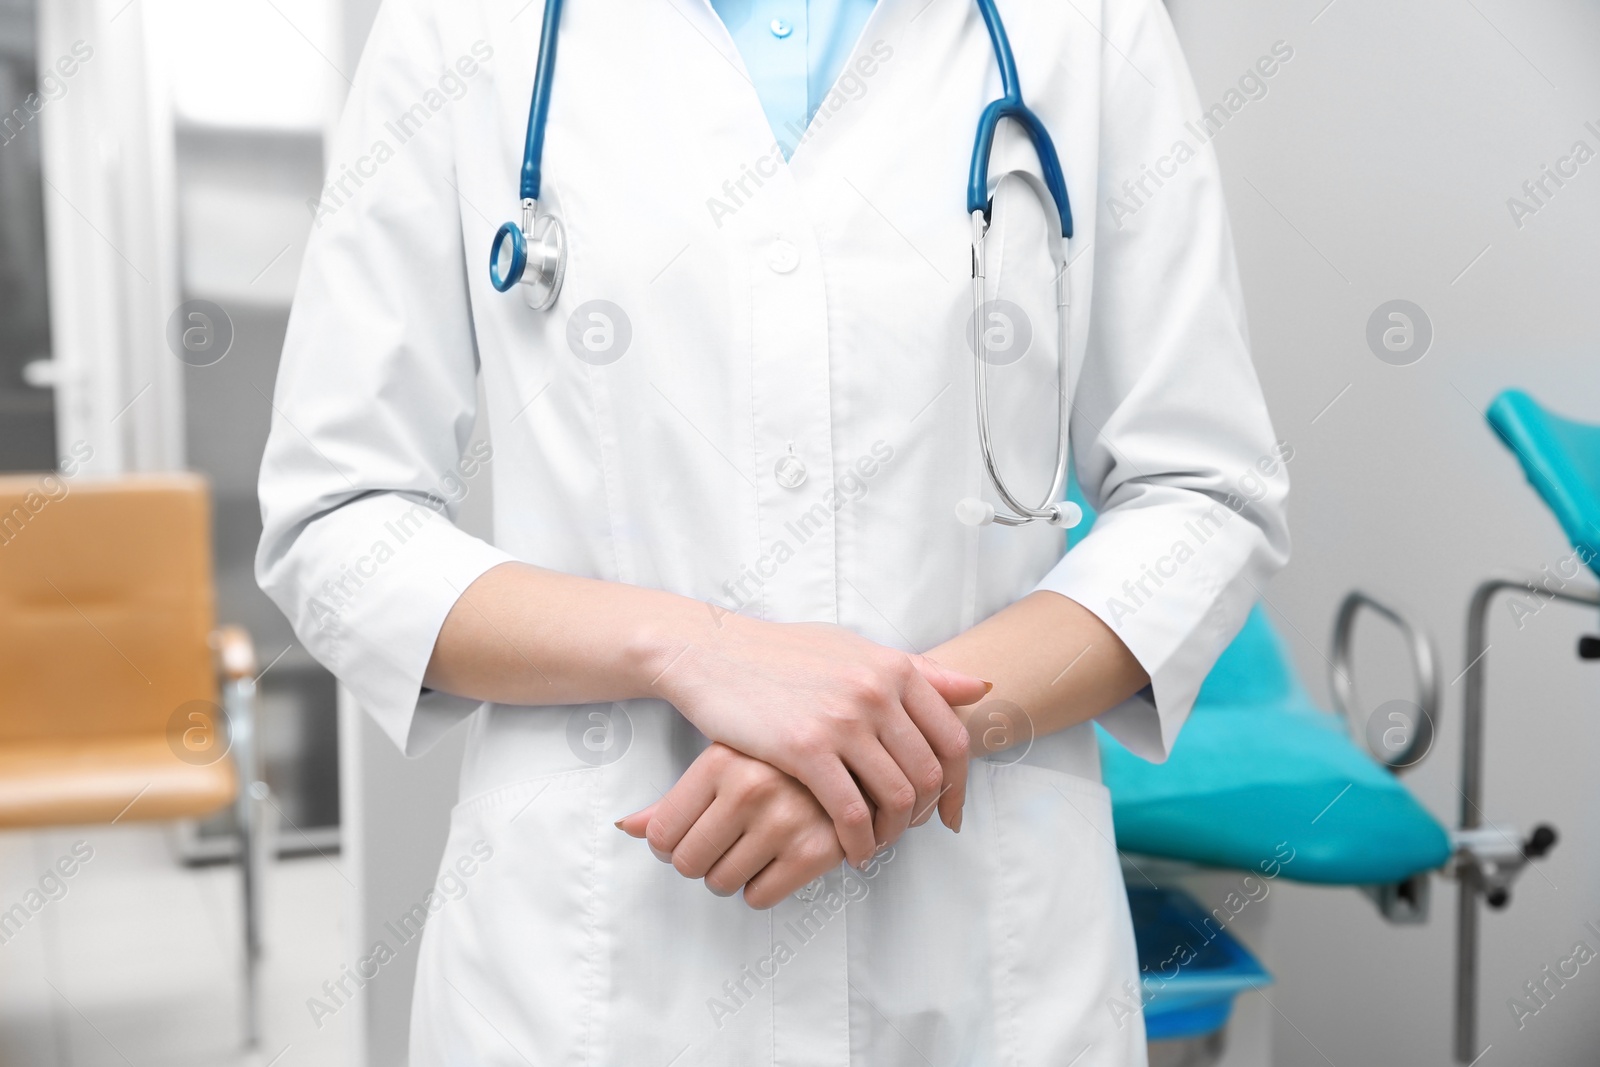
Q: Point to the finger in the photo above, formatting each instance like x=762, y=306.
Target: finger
x=793, y=868
x=683, y=804
x=957, y=688
x=944, y=733
x=748, y=856
x=887, y=787
x=840, y=796
x=634, y=825
x=709, y=838
x=916, y=760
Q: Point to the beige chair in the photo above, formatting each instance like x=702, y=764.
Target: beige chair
x=110, y=668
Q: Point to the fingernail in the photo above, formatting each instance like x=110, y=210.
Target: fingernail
x=988, y=687
x=618, y=824
x=957, y=826
x=664, y=857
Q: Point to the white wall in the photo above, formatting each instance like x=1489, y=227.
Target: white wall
x=1378, y=166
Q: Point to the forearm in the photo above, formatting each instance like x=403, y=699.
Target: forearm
x=865, y=728
x=526, y=635
x=1048, y=655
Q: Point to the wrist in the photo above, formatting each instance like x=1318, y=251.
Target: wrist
x=659, y=649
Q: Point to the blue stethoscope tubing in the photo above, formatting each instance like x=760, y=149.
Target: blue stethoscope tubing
x=539, y=111
x=1011, y=106
x=534, y=254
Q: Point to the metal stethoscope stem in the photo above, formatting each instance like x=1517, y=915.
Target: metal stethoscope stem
x=1051, y=509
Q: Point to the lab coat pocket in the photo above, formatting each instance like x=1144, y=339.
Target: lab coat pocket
x=1060, y=924
x=508, y=972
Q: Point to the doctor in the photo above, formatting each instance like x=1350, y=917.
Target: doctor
x=728, y=605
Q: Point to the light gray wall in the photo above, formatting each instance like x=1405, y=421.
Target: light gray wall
x=404, y=826
x=1378, y=166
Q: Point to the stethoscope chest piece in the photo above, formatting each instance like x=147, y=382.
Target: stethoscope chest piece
x=533, y=255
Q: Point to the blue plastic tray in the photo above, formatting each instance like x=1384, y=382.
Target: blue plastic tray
x=1190, y=967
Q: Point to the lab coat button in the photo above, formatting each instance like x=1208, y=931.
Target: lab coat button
x=783, y=257
x=782, y=28
x=790, y=472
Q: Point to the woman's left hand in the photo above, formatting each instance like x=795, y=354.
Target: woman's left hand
x=740, y=823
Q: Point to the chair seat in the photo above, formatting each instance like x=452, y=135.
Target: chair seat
x=126, y=779
x=1260, y=774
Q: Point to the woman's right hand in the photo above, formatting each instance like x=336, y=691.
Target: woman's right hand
x=849, y=718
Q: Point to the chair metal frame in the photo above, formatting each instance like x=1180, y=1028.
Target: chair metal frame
x=1424, y=668
x=1406, y=902
x=237, y=663
x=1487, y=860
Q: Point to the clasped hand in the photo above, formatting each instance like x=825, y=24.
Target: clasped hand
x=827, y=746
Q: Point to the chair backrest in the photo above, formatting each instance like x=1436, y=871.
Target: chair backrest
x=106, y=604
x=1561, y=458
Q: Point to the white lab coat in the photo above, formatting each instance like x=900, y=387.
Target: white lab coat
x=815, y=309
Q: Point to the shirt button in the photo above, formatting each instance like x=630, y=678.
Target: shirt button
x=790, y=472
x=782, y=28
x=783, y=256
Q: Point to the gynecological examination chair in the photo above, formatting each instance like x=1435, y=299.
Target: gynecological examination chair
x=1259, y=764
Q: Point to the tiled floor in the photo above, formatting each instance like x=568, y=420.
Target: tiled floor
x=137, y=962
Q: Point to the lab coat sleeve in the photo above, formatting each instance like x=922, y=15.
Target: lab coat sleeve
x=1170, y=433
x=367, y=461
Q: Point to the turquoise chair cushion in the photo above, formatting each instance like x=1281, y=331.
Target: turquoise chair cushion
x=1253, y=670
x=1561, y=459
x=1259, y=773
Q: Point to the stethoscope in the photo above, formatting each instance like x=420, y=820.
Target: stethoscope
x=534, y=256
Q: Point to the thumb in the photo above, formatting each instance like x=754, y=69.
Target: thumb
x=957, y=688
x=634, y=825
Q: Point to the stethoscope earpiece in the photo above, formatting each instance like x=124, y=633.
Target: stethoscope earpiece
x=1066, y=515
x=974, y=512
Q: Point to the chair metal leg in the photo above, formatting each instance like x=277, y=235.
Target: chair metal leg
x=1487, y=861
x=239, y=705
x=250, y=884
